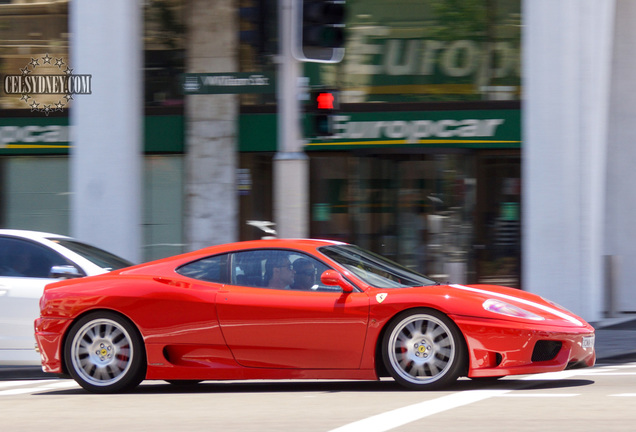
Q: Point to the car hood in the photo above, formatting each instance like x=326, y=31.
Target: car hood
x=468, y=301
x=552, y=313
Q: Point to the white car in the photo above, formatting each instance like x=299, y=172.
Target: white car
x=30, y=260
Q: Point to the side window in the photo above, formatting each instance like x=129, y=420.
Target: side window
x=307, y=271
x=248, y=268
x=23, y=258
x=278, y=269
x=210, y=269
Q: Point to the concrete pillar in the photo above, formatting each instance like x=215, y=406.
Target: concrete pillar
x=566, y=70
x=106, y=158
x=211, y=215
x=620, y=207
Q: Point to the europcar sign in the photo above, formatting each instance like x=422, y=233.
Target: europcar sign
x=476, y=129
x=461, y=128
x=53, y=135
x=413, y=131
x=34, y=135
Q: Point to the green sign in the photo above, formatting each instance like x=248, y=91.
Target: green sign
x=227, y=83
x=469, y=128
x=429, y=50
x=51, y=135
x=461, y=128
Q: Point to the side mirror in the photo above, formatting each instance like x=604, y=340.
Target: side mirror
x=333, y=278
x=64, y=271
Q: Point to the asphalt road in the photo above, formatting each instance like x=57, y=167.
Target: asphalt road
x=599, y=398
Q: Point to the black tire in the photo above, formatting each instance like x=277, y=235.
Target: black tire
x=105, y=353
x=423, y=349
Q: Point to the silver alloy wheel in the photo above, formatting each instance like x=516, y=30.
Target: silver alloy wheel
x=102, y=352
x=421, y=349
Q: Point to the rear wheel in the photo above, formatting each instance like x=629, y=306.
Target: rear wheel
x=104, y=353
x=423, y=349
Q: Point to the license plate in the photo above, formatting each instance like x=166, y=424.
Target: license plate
x=588, y=342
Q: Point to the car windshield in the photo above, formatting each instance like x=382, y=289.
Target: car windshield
x=99, y=257
x=374, y=269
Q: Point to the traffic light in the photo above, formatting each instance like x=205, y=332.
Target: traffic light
x=320, y=34
x=323, y=105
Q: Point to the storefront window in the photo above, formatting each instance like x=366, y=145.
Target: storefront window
x=451, y=215
x=416, y=209
x=34, y=145
x=34, y=37
x=498, y=218
x=28, y=33
x=423, y=163
x=164, y=52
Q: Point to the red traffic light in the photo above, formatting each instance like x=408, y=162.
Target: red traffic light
x=325, y=101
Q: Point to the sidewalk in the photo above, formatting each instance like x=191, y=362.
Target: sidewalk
x=615, y=338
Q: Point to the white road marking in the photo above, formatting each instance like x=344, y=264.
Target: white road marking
x=540, y=395
x=624, y=395
x=45, y=385
x=401, y=416
x=17, y=383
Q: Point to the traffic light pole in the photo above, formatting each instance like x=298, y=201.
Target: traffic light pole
x=291, y=164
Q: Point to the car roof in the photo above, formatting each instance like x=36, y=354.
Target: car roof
x=280, y=242
x=284, y=243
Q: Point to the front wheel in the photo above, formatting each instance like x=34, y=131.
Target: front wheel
x=423, y=349
x=104, y=353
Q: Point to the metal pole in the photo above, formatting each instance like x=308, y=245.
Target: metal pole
x=291, y=187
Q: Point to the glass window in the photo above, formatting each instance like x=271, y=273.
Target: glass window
x=105, y=260
x=23, y=258
x=374, y=269
x=415, y=209
x=31, y=31
x=279, y=269
x=249, y=268
x=163, y=206
x=40, y=31
x=210, y=269
x=34, y=194
x=164, y=52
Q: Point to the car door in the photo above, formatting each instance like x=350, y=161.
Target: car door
x=19, y=307
x=318, y=328
x=24, y=270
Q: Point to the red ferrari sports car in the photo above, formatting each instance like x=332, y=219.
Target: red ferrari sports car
x=293, y=309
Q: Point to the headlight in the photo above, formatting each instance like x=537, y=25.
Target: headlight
x=503, y=308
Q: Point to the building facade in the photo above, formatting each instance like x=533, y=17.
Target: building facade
x=425, y=165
